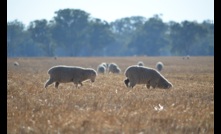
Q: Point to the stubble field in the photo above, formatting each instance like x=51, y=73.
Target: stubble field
x=107, y=106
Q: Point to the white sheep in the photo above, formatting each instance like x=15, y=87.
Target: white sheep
x=64, y=74
x=159, y=66
x=16, y=63
x=101, y=69
x=140, y=63
x=104, y=64
x=113, y=68
x=144, y=75
x=187, y=57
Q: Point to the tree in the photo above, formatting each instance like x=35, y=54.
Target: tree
x=184, y=36
x=69, y=29
x=100, y=36
x=127, y=25
x=124, y=29
x=15, y=35
x=208, y=41
x=19, y=41
x=40, y=33
x=72, y=32
x=150, y=38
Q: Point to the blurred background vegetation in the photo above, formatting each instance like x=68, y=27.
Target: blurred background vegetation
x=72, y=32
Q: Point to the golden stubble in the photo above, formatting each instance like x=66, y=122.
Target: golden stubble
x=107, y=106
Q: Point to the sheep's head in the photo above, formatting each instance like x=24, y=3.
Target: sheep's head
x=117, y=70
x=164, y=84
x=169, y=85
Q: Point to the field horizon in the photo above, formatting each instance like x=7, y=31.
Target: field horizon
x=107, y=105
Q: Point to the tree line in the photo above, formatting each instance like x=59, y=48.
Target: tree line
x=72, y=32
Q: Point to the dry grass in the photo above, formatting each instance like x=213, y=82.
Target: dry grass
x=107, y=106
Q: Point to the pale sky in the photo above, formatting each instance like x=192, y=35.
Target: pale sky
x=110, y=10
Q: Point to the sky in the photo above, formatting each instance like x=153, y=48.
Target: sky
x=110, y=10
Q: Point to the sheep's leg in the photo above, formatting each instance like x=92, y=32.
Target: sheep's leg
x=79, y=82
x=132, y=84
x=126, y=81
x=56, y=84
x=148, y=86
x=153, y=84
x=76, y=84
x=49, y=82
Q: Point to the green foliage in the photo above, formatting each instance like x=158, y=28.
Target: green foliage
x=19, y=41
x=185, y=36
x=124, y=29
x=15, y=32
x=99, y=37
x=150, y=38
x=69, y=29
x=40, y=33
x=72, y=32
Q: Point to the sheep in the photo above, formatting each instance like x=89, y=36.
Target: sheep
x=113, y=68
x=16, y=63
x=116, y=70
x=144, y=75
x=64, y=74
x=101, y=69
x=159, y=66
x=104, y=64
x=187, y=57
x=140, y=63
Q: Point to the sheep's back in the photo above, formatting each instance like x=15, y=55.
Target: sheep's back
x=112, y=66
x=101, y=68
x=64, y=73
x=141, y=74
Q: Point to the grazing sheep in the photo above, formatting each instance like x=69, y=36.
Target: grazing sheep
x=140, y=63
x=159, y=66
x=187, y=57
x=64, y=74
x=113, y=68
x=101, y=69
x=116, y=70
x=144, y=75
x=104, y=64
x=16, y=63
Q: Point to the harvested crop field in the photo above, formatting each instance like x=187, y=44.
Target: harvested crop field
x=107, y=105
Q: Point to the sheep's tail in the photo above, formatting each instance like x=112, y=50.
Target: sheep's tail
x=126, y=74
x=49, y=71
